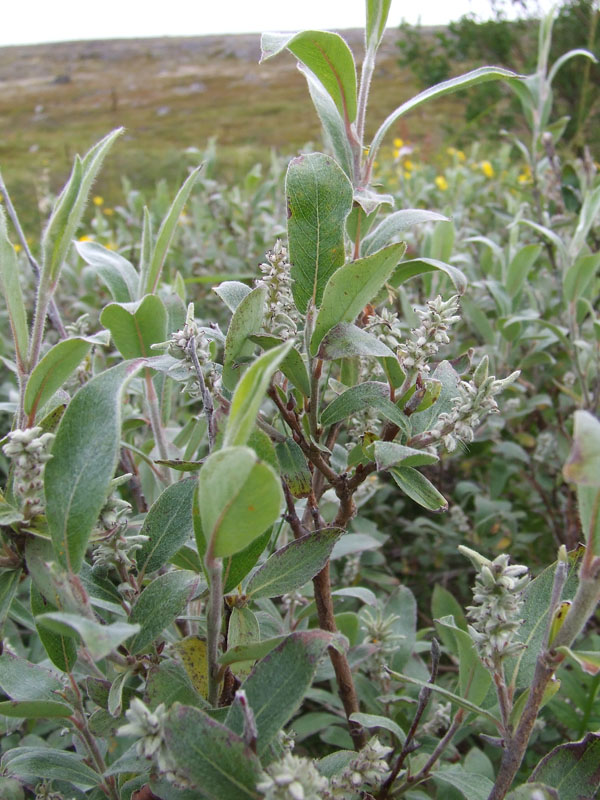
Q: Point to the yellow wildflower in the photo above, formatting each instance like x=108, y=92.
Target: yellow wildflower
x=108, y=211
x=398, y=143
x=396, y=154
x=86, y=238
x=408, y=164
x=441, y=183
x=111, y=246
x=451, y=151
x=525, y=176
x=407, y=175
x=97, y=200
x=17, y=247
x=487, y=169
x=460, y=155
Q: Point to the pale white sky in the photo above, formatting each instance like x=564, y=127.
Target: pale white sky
x=33, y=21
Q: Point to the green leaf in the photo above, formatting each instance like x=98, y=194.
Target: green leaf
x=118, y=275
x=332, y=122
x=370, y=200
x=327, y=56
x=210, y=756
x=447, y=695
x=395, y=225
x=402, y=604
x=50, y=764
x=277, y=684
x=232, y=293
x=11, y=288
x=168, y=526
x=354, y=543
x=8, y=513
x=552, y=687
x=473, y=678
x=583, y=464
x=579, y=276
x=237, y=566
x=377, y=14
x=439, y=90
x=588, y=660
x=292, y=366
x=180, y=465
x=293, y=565
x=346, y=340
x=9, y=581
x=246, y=320
x=587, y=217
x=239, y=497
x=319, y=197
x=34, y=709
x=567, y=57
x=134, y=327
x=243, y=631
x=478, y=320
x=360, y=592
x=588, y=506
x=11, y=789
x=84, y=456
x=532, y=632
x=130, y=761
x=69, y=207
x=22, y=681
x=61, y=650
x=443, y=604
x=115, y=694
x=99, y=639
x=52, y=371
x=519, y=268
x=294, y=369
x=160, y=603
x=421, y=266
x=351, y=287
x=388, y=454
x=419, y=489
x=252, y=651
x=376, y=721
x=424, y=420
x=369, y=394
x=150, y=278
x=168, y=683
x=471, y=785
x=572, y=768
x=294, y=468
x=249, y=395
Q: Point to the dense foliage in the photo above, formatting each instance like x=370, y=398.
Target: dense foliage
x=302, y=482
x=432, y=56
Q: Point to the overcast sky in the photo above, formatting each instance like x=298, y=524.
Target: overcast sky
x=33, y=21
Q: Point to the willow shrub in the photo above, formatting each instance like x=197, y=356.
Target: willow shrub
x=172, y=495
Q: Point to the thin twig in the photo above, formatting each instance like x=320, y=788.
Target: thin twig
x=207, y=400
x=298, y=529
x=214, y=613
x=156, y=425
x=423, y=701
